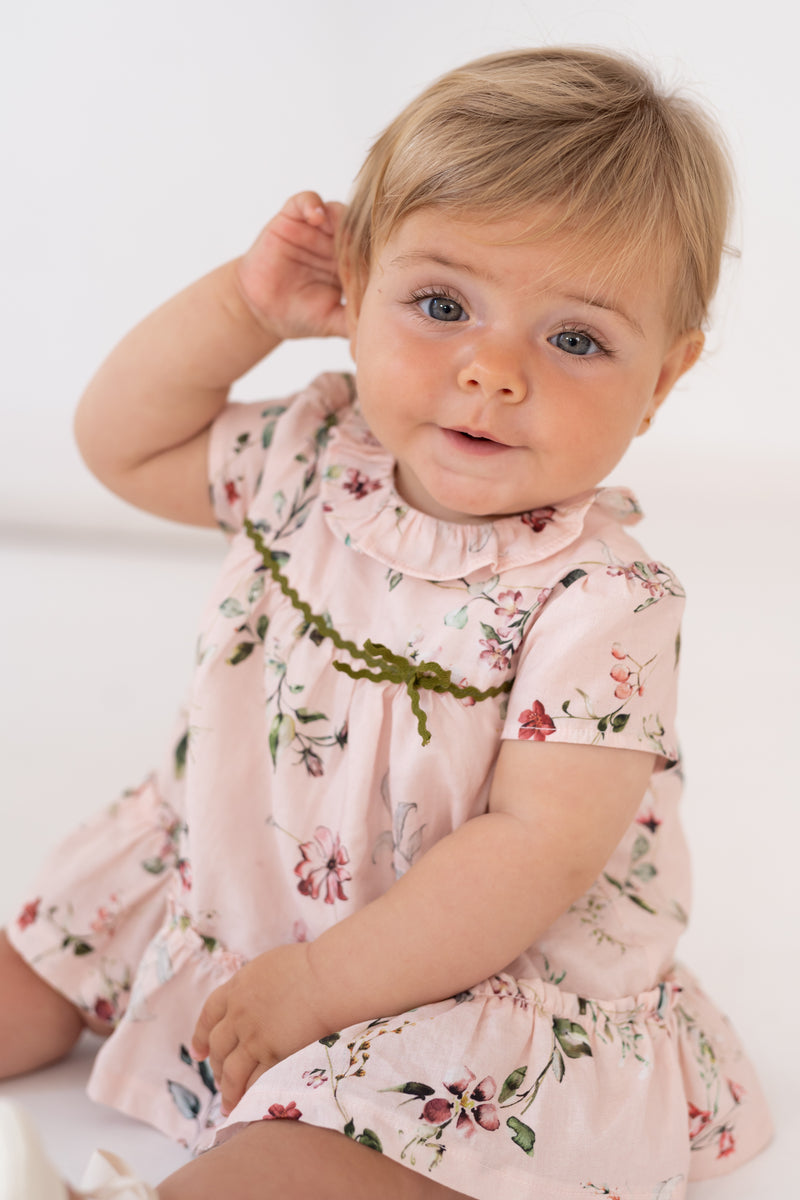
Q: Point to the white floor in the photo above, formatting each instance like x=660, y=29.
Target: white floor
x=96, y=638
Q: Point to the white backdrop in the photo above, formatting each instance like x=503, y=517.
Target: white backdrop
x=143, y=142
x=147, y=141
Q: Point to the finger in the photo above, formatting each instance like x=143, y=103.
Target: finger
x=306, y=206
x=222, y=1042
x=211, y=1014
x=236, y=1072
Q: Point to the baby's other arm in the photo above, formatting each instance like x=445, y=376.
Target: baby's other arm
x=464, y=911
x=490, y=889
x=143, y=423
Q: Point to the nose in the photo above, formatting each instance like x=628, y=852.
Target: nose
x=494, y=371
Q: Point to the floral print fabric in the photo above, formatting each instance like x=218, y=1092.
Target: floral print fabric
x=297, y=788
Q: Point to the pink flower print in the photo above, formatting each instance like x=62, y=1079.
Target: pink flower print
x=467, y=701
x=29, y=913
x=698, y=1119
x=508, y=604
x=231, y=492
x=497, y=657
x=105, y=918
x=535, y=723
x=649, y=821
x=322, y=867
x=727, y=1143
x=736, y=1090
x=316, y=1077
x=469, y=1110
x=359, y=485
x=185, y=872
x=277, y=1112
x=312, y=762
x=624, y=690
x=300, y=931
x=617, y=651
x=103, y=1009
x=539, y=518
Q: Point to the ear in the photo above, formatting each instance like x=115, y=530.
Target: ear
x=680, y=358
x=353, y=291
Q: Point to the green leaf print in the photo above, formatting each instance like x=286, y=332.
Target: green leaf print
x=490, y=632
x=619, y=722
x=180, y=755
x=524, y=1137
x=572, y=577
x=457, y=619
x=81, y=948
x=330, y=1040
x=305, y=716
x=572, y=1037
x=231, y=607
x=187, y=1103
x=256, y=589
x=421, y=1090
x=638, y=900
x=640, y=847
x=559, y=1065
x=242, y=651
x=371, y=1139
x=154, y=866
x=262, y=626
x=280, y=734
x=512, y=1084
x=207, y=1077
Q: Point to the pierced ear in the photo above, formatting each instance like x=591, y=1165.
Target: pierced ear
x=678, y=360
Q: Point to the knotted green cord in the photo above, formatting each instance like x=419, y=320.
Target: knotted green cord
x=387, y=665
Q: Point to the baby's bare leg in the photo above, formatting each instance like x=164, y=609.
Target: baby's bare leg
x=37, y=1024
x=294, y=1160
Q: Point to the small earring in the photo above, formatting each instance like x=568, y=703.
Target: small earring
x=648, y=421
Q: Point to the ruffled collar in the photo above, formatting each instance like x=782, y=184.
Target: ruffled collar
x=363, y=508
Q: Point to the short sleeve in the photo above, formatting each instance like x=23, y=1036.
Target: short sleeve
x=599, y=666
x=240, y=440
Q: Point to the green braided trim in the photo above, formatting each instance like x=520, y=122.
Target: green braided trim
x=382, y=663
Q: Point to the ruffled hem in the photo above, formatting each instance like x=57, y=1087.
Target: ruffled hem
x=364, y=510
x=552, y=1093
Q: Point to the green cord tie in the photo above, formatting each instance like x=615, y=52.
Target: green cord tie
x=382, y=663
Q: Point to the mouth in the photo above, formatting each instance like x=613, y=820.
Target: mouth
x=475, y=441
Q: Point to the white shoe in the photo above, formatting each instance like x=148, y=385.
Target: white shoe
x=108, y=1177
x=26, y=1173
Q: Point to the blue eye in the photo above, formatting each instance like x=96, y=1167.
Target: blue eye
x=442, y=308
x=572, y=341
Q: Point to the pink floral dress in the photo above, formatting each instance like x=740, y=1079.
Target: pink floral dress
x=357, y=667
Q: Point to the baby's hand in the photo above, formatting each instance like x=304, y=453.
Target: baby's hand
x=256, y=1019
x=289, y=277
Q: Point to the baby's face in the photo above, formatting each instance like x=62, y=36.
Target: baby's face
x=496, y=376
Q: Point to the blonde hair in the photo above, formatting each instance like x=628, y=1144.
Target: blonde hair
x=587, y=139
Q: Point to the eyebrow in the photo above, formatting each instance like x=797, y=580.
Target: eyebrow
x=607, y=306
x=413, y=257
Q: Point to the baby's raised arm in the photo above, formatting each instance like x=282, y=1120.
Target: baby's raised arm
x=143, y=423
